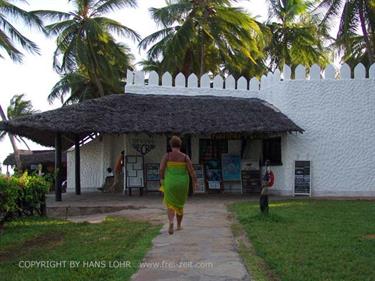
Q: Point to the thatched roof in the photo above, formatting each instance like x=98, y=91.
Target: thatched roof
x=34, y=157
x=137, y=113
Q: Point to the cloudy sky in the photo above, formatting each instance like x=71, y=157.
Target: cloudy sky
x=35, y=77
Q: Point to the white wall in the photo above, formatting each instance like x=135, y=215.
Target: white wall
x=337, y=114
x=91, y=166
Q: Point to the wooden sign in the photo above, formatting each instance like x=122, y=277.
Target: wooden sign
x=251, y=181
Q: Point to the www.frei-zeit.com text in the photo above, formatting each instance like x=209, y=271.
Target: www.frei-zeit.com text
x=51, y=264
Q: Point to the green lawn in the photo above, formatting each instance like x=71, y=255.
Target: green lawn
x=111, y=250
x=312, y=239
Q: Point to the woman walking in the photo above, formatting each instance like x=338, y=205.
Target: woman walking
x=175, y=168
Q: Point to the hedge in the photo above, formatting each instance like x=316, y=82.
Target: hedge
x=21, y=196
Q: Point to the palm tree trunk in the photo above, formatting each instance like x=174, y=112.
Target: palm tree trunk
x=13, y=142
x=201, y=70
x=96, y=78
x=370, y=51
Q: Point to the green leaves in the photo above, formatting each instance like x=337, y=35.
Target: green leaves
x=294, y=36
x=19, y=107
x=10, y=35
x=357, y=21
x=87, y=56
x=199, y=36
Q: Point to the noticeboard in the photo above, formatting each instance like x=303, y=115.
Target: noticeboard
x=134, y=171
x=302, y=178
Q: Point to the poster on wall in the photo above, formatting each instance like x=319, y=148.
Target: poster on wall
x=152, y=176
x=134, y=171
x=200, y=178
x=231, y=167
x=152, y=172
x=213, y=173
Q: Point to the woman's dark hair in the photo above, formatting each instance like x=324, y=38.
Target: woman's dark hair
x=175, y=142
x=109, y=170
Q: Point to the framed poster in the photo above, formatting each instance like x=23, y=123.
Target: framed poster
x=200, y=178
x=302, y=178
x=231, y=167
x=213, y=173
x=152, y=172
x=152, y=177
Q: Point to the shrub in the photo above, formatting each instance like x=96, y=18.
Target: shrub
x=9, y=193
x=21, y=195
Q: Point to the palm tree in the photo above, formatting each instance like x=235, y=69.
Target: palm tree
x=294, y=36
x=10, y=36
x=355, y=16
x=85, y=41
x=77, y=86
x=201, y=35
x=18, y=107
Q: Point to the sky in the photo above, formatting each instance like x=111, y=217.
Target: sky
x=35, y=76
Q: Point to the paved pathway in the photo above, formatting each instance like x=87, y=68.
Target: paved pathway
x=203, y=251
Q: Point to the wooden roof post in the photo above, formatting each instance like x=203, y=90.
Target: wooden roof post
x=58, y=167
x=77, y=165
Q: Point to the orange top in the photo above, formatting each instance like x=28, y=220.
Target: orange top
x=118, y=166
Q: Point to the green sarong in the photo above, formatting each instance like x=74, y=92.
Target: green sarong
x=176, y=186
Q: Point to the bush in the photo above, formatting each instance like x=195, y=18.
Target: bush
x=9, y=193
x=21, y=196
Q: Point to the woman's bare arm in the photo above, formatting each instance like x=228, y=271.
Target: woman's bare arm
x=191, y=171
x=163, y=164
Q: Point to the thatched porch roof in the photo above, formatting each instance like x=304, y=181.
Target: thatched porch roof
x=33, y=157
x=137, y=113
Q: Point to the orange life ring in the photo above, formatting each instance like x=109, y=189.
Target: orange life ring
x=271, y=179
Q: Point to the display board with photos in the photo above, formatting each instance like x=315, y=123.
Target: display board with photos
x=201, y=188
x=213, y=173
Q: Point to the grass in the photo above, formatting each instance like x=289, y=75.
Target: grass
x=311, y=239
x=111, y=250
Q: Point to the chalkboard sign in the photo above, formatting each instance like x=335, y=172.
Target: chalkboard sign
x=250, y=181
x=302, y=178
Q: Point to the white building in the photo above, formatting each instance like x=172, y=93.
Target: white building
x=335, y=110
x=337, y=113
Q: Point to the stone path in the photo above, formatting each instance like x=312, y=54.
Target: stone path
x=203, y=251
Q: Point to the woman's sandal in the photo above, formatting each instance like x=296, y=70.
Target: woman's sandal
x=179, y=227
x=170, y=229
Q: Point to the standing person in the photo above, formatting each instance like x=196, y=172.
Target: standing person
x=118, y=170
x=175, y=168
x=267, y=182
